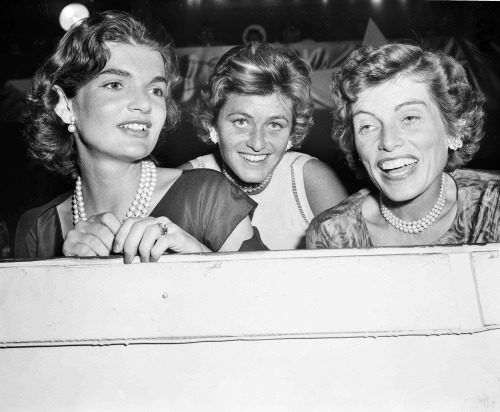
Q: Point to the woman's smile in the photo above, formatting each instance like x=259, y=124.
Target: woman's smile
x=254, y=131
x=120, y=112
x=136, y=129
x=400, y=137
x=398, y=168
x=254, y=159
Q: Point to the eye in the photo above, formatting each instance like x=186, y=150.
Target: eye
x=158, y=91
x=113, y=85
x=275, y=126
x=240, y=122
x=366, y=128
x=411, y=119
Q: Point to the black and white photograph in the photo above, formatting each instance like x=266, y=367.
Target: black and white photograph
x=250, y=205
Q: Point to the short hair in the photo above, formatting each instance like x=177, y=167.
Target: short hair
x=257, y=69
x=459, y=105
x=79, y=57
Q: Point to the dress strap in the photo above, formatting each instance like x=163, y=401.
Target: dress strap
x=298, y=188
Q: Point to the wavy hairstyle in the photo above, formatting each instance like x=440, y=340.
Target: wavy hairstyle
x=260, y=69
x=79, y=57
x=460, y=106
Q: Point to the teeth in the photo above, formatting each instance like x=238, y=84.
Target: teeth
x=397, y=163
x=254, y=158
x=134, y=126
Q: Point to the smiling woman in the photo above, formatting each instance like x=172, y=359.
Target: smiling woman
x=408, y=119
x=95, y=112
x=257, y=107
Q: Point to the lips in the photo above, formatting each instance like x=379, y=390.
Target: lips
x=254, y=158
x=399, y=167
x=135, y=126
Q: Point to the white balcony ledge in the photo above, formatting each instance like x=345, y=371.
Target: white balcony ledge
x=365, y=329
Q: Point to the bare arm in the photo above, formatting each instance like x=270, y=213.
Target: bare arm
x=323, y=187
x=242, y=232
x=185, y=166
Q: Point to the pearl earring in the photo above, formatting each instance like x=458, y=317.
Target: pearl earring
x=289, y=145
x=72, y=127
x=213, y=136
x=455, y=143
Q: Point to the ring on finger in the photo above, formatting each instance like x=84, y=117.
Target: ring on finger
x=163, y=228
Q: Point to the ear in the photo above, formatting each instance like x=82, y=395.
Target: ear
x=63, y=108
x=213, y=135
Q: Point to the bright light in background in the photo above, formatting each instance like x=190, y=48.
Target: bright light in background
x=72, y=14
x=377, y=2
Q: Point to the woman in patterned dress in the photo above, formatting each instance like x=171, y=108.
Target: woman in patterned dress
x=408, y=120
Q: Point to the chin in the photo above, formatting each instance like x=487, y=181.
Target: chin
x=401, y=195
x=251, y=177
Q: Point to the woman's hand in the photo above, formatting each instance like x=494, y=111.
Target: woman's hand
x=143, y=237
x=93, y=237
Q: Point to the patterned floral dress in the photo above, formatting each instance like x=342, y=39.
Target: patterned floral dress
x=477, y=219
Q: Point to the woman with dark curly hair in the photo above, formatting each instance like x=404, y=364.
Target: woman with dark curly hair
x=257, y=106
x=408, y=119
x=95, y=112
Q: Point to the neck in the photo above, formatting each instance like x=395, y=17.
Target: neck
x=415, y=226
x=109, y=187
x=248, y=188
x=418, y=207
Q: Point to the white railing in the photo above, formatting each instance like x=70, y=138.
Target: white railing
x=370, y=329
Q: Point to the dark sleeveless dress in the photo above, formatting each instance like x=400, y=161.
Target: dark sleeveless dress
x=202, y=202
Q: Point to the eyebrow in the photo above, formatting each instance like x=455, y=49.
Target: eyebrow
x=124, y=73
x=116, y=72
x=408, y=103
x=397, y=108
x=251, y=117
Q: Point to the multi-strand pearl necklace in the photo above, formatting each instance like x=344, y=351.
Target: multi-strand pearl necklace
x=142, y=199
x=416, y=226
x=248, y=188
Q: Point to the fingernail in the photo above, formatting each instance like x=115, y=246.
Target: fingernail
x=117, y=248
x=127, y=258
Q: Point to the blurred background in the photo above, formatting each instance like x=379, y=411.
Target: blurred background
x=322, y=31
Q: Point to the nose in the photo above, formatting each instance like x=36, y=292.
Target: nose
x=140, y=101
x=257, y=140
x=389, y=139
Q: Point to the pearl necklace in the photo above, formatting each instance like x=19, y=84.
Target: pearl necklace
x=247, y=188
x=140, y=204
x=416, y=226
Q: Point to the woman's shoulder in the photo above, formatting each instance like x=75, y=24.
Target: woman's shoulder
x=340, y=226
x=293, y=158
x=478, y=217
x=207, y=183
x=30, y=219
x=203, y=177
x=32, y=215
x=208, y=161
x=349, y=206
x=478, y=188
x=474, y=178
